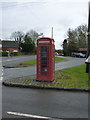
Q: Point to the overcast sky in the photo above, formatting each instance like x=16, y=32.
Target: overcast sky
x=41, y=16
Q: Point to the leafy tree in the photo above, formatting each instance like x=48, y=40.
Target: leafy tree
x=65, y=47
x=72, y=41
x=72, y=47
x=28, y=45
x=76, y=39
x=81, y=32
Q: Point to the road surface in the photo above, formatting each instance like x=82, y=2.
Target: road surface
x=18, y=72
x=47, y=103
x=11, y=61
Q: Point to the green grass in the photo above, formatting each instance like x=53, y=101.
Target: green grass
x=59, y=59
x=74, y=77
x=33, y=62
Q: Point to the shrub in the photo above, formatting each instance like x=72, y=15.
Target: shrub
x=0, y=53
x=4, y=53
x=14, y=54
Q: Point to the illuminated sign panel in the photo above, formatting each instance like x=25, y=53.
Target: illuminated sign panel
x=44, y=41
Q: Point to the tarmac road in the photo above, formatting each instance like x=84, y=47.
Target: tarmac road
x=25, y=71
x=11, y=61
x=48, y=103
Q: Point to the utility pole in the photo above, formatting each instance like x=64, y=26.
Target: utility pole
x=52, y=33
x=88, y=51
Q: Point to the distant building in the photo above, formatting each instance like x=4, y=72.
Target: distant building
x=82, y=50
x=10, y=46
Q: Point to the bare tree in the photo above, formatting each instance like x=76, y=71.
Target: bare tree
x=18, y=36
x=34, y=35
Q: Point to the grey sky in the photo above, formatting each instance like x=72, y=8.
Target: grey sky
x=42, y=16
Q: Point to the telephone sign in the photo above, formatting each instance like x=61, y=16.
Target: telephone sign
x=45, y=59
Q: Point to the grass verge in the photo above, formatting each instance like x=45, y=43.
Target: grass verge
x=33, y=62
x=74, y=77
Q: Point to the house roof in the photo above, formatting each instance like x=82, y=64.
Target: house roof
x=10, y=44
x=82, y=49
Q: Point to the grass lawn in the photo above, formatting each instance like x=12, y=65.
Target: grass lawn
x=74, y=77
x=33, y=62
x=59, y=59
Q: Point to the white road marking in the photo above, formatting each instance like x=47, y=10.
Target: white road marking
x=1, y=78
x=32, y=116
x=27, y=115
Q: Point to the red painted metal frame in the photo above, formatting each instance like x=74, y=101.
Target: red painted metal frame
x=49, y=73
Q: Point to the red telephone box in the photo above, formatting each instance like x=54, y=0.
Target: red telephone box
x=45, y=59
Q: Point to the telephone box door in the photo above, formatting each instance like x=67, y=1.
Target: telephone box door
x=45, y=60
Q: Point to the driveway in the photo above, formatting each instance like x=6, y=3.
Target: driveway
x=70, y=63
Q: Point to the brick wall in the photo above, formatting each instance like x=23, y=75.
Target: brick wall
x=10, y=49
